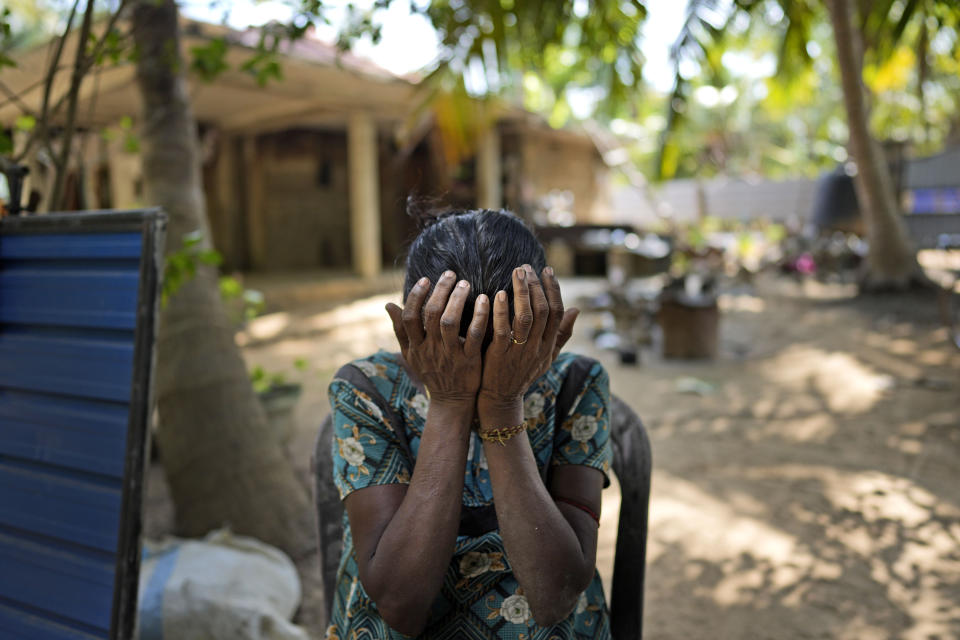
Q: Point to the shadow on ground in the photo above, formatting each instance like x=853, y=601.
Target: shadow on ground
x=813, y=493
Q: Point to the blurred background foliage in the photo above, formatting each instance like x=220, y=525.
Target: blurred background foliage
x=787, y=118
x=756, y=89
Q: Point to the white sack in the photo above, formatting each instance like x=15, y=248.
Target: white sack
x=224, y=587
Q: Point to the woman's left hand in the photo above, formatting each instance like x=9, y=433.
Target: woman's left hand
x=428, y=332
x=518, y=356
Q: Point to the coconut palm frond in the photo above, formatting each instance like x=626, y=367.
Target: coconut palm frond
x=699, y=41
x=487, y=50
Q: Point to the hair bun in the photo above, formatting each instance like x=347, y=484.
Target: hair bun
x=428, y=211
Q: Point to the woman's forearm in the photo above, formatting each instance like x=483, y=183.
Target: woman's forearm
x=405, y=572
x=544, y=551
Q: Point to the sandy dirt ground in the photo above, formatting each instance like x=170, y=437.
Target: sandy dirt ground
x=806, y=484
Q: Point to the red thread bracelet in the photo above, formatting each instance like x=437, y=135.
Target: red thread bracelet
x=573, y=503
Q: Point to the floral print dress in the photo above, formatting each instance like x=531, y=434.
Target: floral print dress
x=479, y=598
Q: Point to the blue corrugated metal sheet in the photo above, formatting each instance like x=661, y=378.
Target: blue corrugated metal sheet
x=68, y=314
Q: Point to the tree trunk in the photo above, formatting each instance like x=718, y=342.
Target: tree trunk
x=892, y=261
x=223, y=465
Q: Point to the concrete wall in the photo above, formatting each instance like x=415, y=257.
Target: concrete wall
x=781, y=200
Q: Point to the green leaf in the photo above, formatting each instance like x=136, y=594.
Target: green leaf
x=181, y=265
x=192, y=239
x=210, y=60
x=6, y=143
x=131, y=143
x=254, y=303
x=211, y=257
x=25, y=123
x=263, y=66
x=112, y=47
x=263, y=381
x=908, y=12
x=230, y=288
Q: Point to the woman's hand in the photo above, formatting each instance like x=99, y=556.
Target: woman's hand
x=518, y=356
x=450, y=367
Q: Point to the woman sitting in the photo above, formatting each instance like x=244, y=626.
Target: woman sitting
x=471, y=463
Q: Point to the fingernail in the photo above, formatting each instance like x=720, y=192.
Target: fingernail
x=482, y=299
x=463, y=284
x=548, y=271
x=501, y=296
x=521, y=274
x=448, y=274
x=530, y=270
x=424, y=281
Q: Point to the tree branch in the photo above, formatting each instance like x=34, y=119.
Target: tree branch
x=54, y=67
x=15, y=98
x=47, y=113
x=98, y=47
x=79, y=71
x=42, y=129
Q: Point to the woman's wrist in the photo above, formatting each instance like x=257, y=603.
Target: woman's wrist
x=496, y=411
x=454, y=408
x=465, y=401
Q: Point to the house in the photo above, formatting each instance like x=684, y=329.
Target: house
x=313, y=171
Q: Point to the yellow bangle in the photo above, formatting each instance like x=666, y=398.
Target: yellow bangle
x=502, y=434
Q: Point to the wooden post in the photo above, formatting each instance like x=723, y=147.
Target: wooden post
x=125, y=175
x=364, y=194
x=254, y=203
x=90, y=146
x=489, y=171
x=226, y=225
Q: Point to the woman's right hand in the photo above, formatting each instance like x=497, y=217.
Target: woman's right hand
x=450, y=367
x=520, y=354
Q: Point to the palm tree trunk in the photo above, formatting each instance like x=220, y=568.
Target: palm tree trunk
x=892, y=262
x=223, y=465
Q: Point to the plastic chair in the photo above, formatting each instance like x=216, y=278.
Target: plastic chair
x=632, y=463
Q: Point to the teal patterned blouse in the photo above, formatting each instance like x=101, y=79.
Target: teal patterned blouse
x=479, y=598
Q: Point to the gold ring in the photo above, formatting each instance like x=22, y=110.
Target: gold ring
x=514, y=340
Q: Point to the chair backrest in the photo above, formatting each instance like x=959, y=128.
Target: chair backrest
x=632, y=463
x=329, y=511
x=78, y=303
